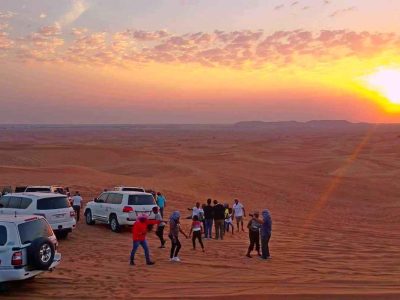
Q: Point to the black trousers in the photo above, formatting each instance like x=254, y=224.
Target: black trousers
x=265, y=246
x=160, y=234
x=175, y=246
x=77, y=210
x=197, y=235
x=254, y=237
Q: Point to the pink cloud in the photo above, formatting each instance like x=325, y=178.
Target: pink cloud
x=218, y=48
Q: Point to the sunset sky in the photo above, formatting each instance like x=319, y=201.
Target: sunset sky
x=199, y=61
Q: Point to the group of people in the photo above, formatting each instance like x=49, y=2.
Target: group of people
x=204, y=218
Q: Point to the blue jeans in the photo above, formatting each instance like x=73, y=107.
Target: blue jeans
x=162, y=211
x=208, y=228
x=145, y=248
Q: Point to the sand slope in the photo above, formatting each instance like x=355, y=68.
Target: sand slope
x=333, y=194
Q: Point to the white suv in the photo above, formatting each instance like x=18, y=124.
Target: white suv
x=28, y=247
x=54, y=207
x=45, y=189
x=119, y=208
x=129, y=189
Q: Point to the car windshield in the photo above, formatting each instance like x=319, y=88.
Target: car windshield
x=3, y=235
x=132, y=189
x=52, y=203
x=37, y=189
x=30, y=231
x=141, y=200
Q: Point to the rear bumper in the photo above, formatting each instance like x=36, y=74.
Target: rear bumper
x=130, y=218
x=21, y=274
x=64, y=226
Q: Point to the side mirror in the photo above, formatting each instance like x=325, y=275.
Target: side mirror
x=96, y=200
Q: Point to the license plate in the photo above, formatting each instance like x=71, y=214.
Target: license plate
x=59, y=216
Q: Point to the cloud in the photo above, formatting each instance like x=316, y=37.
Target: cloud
x=77, y=9
x=7, y=14
x=279, y=7
x=5, y=42
x=42, y=16
x=233, y=49
x=342, y=11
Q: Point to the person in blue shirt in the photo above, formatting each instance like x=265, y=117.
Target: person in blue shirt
x=265, y=232
x=161, y=202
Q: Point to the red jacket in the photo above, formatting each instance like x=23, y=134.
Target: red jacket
x=139, y=229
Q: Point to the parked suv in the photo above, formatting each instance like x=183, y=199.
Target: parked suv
x=45, y=189
x=28, y=247
x=119, y=208
x=54, y=207
x=129, y=189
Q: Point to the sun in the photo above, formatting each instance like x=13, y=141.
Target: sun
x=385, y=81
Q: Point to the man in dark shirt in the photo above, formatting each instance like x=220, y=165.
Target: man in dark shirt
x=208, y=216
x=219, y=220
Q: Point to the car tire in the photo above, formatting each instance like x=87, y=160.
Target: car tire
x=61, y=235
x=88, y=217
x=41, y=253
x=114, y=225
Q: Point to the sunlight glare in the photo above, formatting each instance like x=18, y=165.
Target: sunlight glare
x=387, y=83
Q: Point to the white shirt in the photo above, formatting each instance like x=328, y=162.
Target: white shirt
x=196, y=211
x=238, y=208
x=77, y=200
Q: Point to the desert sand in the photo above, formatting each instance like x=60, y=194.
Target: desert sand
x=332, y=188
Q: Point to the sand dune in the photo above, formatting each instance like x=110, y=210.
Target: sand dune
x=333, y=194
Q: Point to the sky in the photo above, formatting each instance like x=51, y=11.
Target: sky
x=198, y=61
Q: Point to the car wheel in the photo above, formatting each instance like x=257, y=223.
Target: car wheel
x=62, y=235
x=41, y=253
x=114, y=225
x=88, y=217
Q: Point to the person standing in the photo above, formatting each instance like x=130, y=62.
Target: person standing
x=196, y=228
x=266, y=230
x=139, y=231
x=174, y=230
x=208, y=223
x=219, y=220
x=254, y=226
x=77, y=204
x=238, y=212
x=161, y=202
x=160, y=227
x=196, y=210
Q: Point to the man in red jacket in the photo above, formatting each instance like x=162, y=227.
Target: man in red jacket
x=139, y=231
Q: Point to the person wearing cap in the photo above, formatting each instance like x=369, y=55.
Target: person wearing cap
x=139, y=231
x=254, y=226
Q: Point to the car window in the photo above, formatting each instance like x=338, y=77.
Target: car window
x=4, y=201
x=38, y=189
x=32, y=230
x=140, y=200
x=3, y=235
x=25, y=202
x=52, y=203
x=103, y=198
x=15, y=202
x=114, y=198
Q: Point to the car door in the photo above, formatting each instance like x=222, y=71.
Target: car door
x=99, y=207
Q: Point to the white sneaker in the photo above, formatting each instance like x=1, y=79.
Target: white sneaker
x=177, y=259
